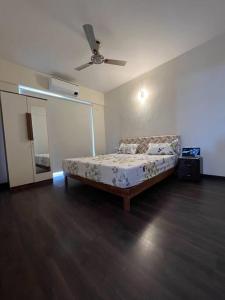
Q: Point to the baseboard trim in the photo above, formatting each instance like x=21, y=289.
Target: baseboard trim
x=31, y=185
x=213, y=176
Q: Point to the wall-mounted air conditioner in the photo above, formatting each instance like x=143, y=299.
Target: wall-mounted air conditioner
x=63, y=87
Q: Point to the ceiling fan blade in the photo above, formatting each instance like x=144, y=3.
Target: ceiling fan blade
x=84, y=66
x=115, y=62
x=89, y=32
x=98, y=45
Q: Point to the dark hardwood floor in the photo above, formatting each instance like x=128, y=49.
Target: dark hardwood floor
x=80, y=244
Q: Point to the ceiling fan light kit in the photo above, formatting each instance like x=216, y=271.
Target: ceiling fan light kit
x=96, y=58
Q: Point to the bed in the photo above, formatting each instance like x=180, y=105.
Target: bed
x=125, y=175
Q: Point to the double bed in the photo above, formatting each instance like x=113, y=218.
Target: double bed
x=125, y=175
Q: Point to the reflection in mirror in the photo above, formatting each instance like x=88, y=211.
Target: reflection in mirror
x=41, y=151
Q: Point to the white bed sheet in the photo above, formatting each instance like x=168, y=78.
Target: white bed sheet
x=121, y=170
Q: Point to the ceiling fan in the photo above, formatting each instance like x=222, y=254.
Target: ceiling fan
x=94, y=44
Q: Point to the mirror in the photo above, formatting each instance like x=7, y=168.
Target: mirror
x=40, y=136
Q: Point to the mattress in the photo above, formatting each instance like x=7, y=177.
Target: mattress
x=42, y=160
x=121, y=170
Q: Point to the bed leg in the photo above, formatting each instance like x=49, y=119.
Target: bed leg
x=126, y=204
x=66, y=181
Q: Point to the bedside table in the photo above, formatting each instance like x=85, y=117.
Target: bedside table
x=190, y=168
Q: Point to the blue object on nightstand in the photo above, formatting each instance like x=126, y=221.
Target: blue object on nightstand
x=193, y=152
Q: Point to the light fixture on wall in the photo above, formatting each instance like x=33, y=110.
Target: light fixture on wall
x=142, y=94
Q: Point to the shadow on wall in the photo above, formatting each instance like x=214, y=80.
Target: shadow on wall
x=42, y=81
x=63, y=77
x=206, y=56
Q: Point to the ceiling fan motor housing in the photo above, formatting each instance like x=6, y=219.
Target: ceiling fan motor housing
x=97, y=59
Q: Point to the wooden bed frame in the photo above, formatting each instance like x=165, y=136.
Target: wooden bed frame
x=126, y=193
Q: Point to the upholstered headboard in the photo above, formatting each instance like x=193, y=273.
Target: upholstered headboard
x=144, y=141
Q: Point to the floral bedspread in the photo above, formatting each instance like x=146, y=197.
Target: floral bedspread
x=121, y=170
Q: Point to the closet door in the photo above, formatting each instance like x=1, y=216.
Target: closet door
x=69, y=130
x=18, y=147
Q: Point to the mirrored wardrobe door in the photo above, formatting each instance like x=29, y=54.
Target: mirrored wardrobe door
x=37, y=113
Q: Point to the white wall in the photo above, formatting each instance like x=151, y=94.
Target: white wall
x=186, y=97
x=11, y=75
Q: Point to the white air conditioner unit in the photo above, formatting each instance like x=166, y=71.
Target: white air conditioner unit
x=63, y=87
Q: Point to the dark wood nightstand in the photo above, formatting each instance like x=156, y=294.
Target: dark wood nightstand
x=190, y=168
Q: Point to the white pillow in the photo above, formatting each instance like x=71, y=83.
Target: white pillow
x=160, y=149
x=128, y=148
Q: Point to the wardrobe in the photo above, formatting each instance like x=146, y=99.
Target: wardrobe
x=26, y=139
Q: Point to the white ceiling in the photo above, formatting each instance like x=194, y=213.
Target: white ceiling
x=47, y=35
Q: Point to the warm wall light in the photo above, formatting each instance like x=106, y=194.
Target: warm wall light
x=142, y=94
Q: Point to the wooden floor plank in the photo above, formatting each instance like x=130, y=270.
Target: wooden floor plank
x=80, y=244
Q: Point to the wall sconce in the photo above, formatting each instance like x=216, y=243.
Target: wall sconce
x=142, y=95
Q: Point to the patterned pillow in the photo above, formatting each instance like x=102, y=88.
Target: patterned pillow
x=161, y=149
x=128, y=148
x=144, y=141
